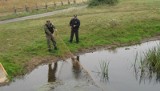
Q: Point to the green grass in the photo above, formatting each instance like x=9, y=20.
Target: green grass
x=127, y=22
x=152, y=59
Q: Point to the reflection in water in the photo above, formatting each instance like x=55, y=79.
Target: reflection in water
x=148, y=76
x=76, y=67
x=112, y=50
x=145, y=72
x=102, y=71
x=52, y=72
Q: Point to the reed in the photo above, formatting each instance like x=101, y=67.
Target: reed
x=152, y=58
x=104, y=66
x=150, y=64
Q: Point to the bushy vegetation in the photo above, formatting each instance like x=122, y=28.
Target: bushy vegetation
x=100, y=2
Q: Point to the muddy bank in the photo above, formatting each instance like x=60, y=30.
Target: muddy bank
x=123, y=73
x=35, y=62
x=29, y=66
x=115, y=45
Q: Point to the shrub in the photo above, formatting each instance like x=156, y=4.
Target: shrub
x=100, y=2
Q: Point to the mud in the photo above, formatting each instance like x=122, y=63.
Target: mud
x=39, y=61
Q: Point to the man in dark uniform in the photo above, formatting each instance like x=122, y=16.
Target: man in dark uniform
x=74, y=23
x=49, y=30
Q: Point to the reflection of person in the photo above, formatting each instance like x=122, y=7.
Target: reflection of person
x=74, y=23
x=76, y=66
x=77, y=58
x=49, y=30
x=52, y=72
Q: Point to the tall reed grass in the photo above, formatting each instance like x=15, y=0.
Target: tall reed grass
x=149, y=64
x=152, y=59
x=103, y=71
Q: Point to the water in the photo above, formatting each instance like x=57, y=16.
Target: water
x=60, y=76
x=122, y=75
x=63, y=76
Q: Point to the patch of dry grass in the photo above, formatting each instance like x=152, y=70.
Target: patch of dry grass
x=8, y=5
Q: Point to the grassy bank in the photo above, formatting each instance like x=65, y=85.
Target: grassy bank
x=127, y=22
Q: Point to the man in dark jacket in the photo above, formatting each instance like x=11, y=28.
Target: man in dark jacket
x=74, y=23
x=49, y=30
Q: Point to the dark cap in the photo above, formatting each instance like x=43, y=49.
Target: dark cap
x=75, y=15
x=48, y=21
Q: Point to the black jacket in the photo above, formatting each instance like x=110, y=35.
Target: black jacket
x=50, y=27
x=75, y=23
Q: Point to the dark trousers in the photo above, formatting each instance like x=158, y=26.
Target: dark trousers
x=74, y=32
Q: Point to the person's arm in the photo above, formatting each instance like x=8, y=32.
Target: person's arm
x=78, y=23
x=70, y=23
x=54, y=29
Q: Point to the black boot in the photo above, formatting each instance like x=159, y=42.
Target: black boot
x=49, y=50
x=77, y=42
x=70, y=41
x=55, y=48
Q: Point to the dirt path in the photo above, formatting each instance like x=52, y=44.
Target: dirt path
x=41, y=15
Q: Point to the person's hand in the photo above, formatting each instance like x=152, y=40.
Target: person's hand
x=55, y=33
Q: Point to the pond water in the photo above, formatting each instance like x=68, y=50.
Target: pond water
x=59, y=76
x=63, y=76
x=122, y=75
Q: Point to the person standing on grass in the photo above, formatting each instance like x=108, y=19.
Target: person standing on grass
x=49, y=30
x=74, y=24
